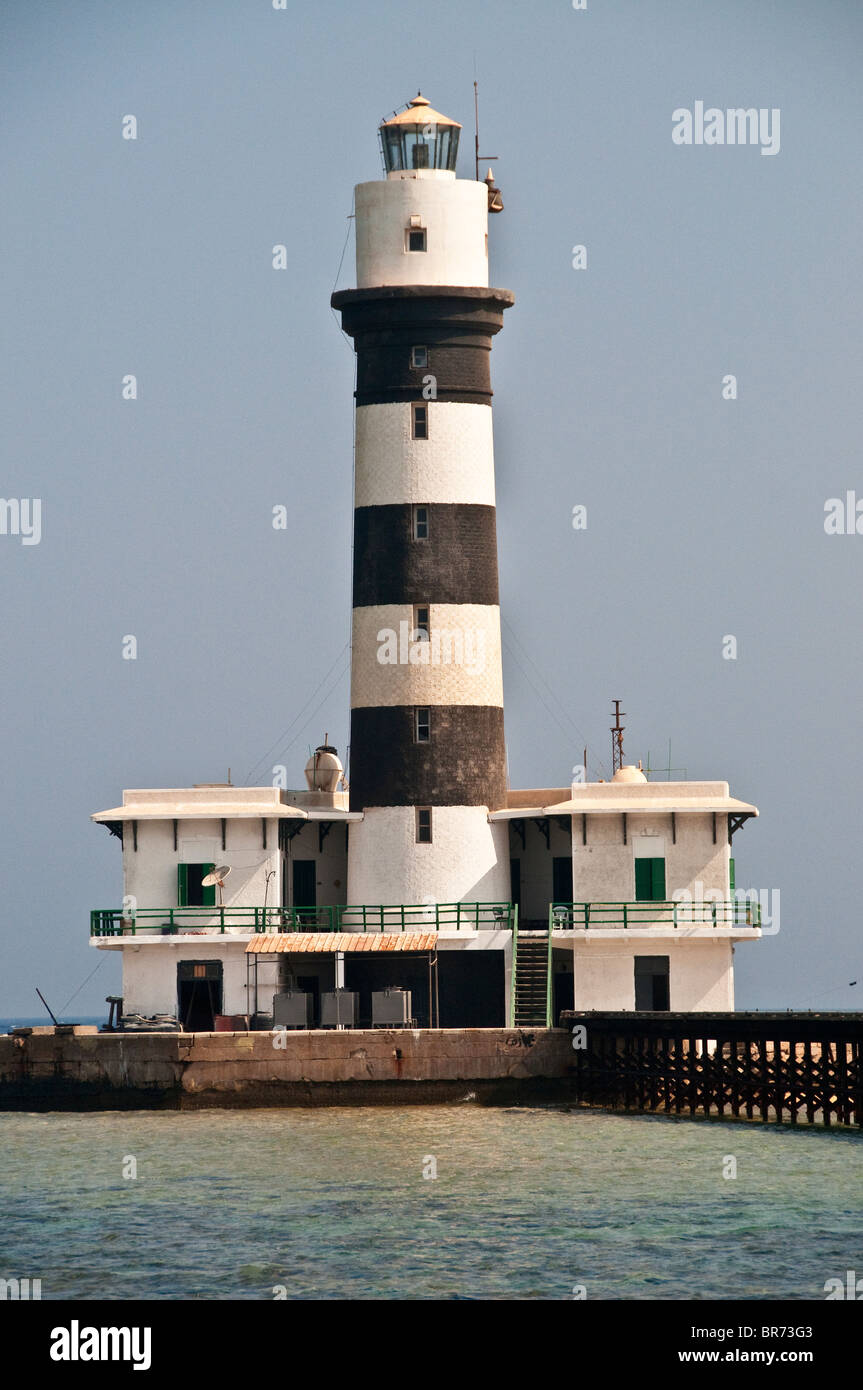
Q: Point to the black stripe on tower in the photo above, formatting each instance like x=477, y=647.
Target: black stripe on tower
x=463, y=764
x=456, y=563
x=460, y=366
x=456, y=325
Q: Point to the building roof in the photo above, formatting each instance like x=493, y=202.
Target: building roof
x=214, y=810
x=420, y=112
x=220, y=803
x=313, y=943
x=616, y=798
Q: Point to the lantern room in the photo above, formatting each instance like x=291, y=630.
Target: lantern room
x=419, y=139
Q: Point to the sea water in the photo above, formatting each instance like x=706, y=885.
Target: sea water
x=413, y=1202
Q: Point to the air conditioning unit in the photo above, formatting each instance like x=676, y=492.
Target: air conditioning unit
x=293, y=1009
x=391, y=1008
x=339, y=1008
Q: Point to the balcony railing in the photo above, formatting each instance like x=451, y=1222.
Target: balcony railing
x=208, y=921
x=644, y=915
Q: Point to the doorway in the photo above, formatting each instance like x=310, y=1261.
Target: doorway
x=199, y=994
x=305, y=883
x=515, y=882
x=561, y=879
x=652, y=990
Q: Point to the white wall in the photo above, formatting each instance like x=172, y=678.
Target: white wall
x=603, y=870
x=150, y=973
x=455, y=215
x=150, y=873
x=468, y=860
x=700, y=973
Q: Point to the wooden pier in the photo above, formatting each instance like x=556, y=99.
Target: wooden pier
x=791, y=1067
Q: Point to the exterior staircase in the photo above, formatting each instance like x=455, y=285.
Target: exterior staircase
x=531, y=951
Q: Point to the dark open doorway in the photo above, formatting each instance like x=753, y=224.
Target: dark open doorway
x=199, y=994
x=561, y=879
x=305, y=883
x=652, y=982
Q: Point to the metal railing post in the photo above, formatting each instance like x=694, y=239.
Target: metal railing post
x=549, y=972
x=513, y=970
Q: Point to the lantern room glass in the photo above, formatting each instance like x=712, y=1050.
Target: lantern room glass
x=419, y=147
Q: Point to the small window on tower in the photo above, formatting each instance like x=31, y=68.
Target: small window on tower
x=421, y=523
x=422, y=625
x=419, y=422
x=422, y=726
x=424, y=825
x=419, y=356
x=415, y=239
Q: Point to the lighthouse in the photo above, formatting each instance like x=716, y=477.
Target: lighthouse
x=430, y=892
x=427, y=752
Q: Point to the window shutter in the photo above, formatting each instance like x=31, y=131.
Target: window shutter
x=658, y=880
x=643, y=880
x=649, y=880
x=208, y=892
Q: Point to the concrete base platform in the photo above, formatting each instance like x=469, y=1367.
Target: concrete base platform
x=180, y=1071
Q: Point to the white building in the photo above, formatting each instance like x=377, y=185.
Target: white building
x=591, y=881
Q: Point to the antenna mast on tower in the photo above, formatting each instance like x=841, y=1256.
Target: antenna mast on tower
x=495, y=201
x=617, y=739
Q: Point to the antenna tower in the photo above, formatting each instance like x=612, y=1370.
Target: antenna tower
x=617, y=739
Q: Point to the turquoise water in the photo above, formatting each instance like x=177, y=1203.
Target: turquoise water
x=332, y=1203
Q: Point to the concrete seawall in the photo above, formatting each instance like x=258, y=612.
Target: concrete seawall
x=179, y=1071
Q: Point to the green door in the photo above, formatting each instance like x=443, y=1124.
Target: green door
x=650, y=880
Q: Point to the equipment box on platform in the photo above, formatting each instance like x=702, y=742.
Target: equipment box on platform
x=339, y=1009
x=293, y=1009
x=391, y=1008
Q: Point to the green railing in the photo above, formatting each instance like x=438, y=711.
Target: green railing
x=426, y=917
x=512, y=973
x=641, y=915
x=172, y=921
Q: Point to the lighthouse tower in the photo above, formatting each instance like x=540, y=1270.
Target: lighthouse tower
x=427, y=754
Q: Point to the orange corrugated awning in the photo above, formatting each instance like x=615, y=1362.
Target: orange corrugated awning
x=314, y=943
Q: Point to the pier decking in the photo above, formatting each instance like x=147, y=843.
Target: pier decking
x=792, y=1067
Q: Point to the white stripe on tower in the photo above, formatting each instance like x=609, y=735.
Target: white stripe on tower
x=455, y=463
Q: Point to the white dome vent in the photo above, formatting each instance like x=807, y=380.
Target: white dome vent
x=628, y=773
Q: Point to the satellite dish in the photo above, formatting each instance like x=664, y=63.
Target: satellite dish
x=217, y=879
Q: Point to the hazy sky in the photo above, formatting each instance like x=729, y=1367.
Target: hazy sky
x=705, y=515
